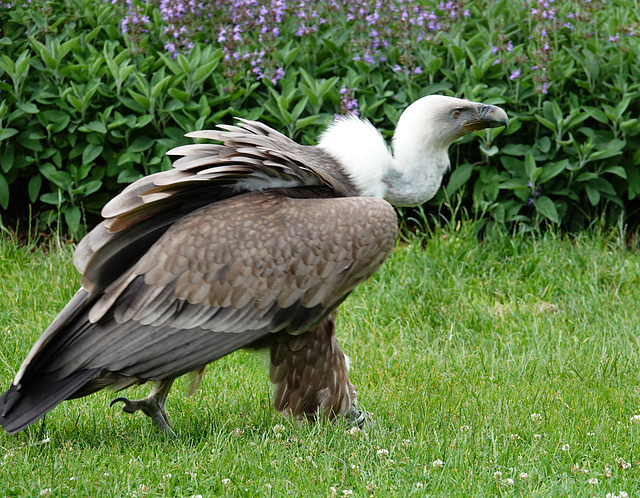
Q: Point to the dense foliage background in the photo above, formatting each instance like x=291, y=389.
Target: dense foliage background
x=92, y=94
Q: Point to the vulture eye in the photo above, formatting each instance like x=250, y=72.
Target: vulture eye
x=456, y=113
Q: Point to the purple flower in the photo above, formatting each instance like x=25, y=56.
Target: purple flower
x=515, y=75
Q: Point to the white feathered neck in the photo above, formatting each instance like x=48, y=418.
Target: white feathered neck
x=413, y=173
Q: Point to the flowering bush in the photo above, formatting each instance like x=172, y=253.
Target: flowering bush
x=93, y=93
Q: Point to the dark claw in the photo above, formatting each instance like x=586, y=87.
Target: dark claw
x=148, y=406
x=357, y=418
x=117, y=400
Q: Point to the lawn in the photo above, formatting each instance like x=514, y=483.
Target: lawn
x=501, y=366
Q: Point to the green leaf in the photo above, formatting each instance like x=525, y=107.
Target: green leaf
x=4, y=193
x=178, y=94
x=34, y=187
x=513, y=185
x=546, y=123
x=551, y=170
x=491, y=151
x=91, y=186
x=159, y=87
x=59, y=178
x=6, y=133
x=202, y=73
x=597, y=114
x=616, y=170
x=515, y=149
x=545, y=206
x=7, y=65
x=28, y=107
x=6, y=157
x=530, y=168
x=73, y=216
x=128, y=176
x=141, y=144
x=51, y=198
x=592, y=194
x=139, y=98
x=459, y=177
x=91, y=152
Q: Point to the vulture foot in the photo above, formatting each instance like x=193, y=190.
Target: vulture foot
x=153, y=405
x=357, y=418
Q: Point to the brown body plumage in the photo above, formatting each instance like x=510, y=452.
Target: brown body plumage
x=252, y=242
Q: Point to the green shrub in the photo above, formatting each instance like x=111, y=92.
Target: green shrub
x=94, y=93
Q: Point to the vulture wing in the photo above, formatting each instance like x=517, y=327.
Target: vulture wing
x=197, y=262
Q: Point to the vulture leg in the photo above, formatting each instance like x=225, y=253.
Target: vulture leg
x=153, y=405
x=310, y=374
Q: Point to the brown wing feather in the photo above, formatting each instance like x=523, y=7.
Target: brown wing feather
x=251, y=157
x=220, y=279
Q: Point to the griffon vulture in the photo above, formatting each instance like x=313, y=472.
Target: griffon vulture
x=252, y=241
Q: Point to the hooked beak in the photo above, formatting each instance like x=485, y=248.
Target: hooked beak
x=487, y=116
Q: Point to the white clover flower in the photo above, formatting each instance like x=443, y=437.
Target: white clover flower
x=515, y=437
x=46, y=440
x=382, y=453
x=537, y=437
x=226, y=482
x=437, y=464
x=167, y=476
x=593, y=481
x=497, y=475
x=508, y=482
x=623, y=494
x=536, y=417
x=239, y=432
x=418, y=485
x=333, y=492
x=45, y=492
x=406, y=443
x=523, y=476
x=278, y=428
x=591, y=433
x=635, y=419
x=347, y=492
x=565, y=447
x=464, y=428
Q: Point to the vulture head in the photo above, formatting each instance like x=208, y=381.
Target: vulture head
x=411, y=174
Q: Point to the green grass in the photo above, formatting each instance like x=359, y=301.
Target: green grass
x=455, y=344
